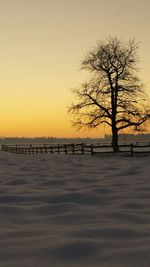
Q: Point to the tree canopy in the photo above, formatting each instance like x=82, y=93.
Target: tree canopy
x=114, y=94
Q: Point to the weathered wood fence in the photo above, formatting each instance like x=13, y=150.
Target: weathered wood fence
x=46, y=148
x=79, y=149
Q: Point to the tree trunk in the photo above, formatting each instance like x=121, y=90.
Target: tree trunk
x=115, y=139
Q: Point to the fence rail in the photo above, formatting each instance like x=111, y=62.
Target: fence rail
x=79, y=149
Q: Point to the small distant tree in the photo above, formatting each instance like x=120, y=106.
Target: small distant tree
x=114, y=94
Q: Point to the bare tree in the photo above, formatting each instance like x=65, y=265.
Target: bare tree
x=114, y=94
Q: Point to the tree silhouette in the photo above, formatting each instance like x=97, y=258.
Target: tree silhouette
x=114, y=94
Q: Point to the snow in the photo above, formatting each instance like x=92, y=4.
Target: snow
x=74, y=211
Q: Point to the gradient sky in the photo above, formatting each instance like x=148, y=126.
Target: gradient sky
x=42, y=43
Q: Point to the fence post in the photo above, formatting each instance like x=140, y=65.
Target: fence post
x=73, y=149
x=45, y=148
x=30, y=149
x=82, y=148
x=15, y=149
x=58, y=149
x=131, y=150
x=92, y=150
x=65, y=149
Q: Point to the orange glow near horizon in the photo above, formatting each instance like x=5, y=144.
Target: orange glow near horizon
x=42, y=45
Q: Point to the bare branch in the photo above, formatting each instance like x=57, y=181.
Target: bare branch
x=114, y=94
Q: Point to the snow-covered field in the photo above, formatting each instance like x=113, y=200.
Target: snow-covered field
x=74, y=211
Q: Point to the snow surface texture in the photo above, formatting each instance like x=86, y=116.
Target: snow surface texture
x=74, y=211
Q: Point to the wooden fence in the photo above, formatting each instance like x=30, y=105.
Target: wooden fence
x=79, y=149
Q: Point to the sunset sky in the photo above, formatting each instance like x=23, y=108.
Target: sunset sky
x=42, y=43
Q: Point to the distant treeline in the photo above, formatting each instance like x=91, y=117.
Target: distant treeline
x=130, y=137
x=45, y=140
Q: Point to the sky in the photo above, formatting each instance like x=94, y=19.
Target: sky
x=42, y=44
